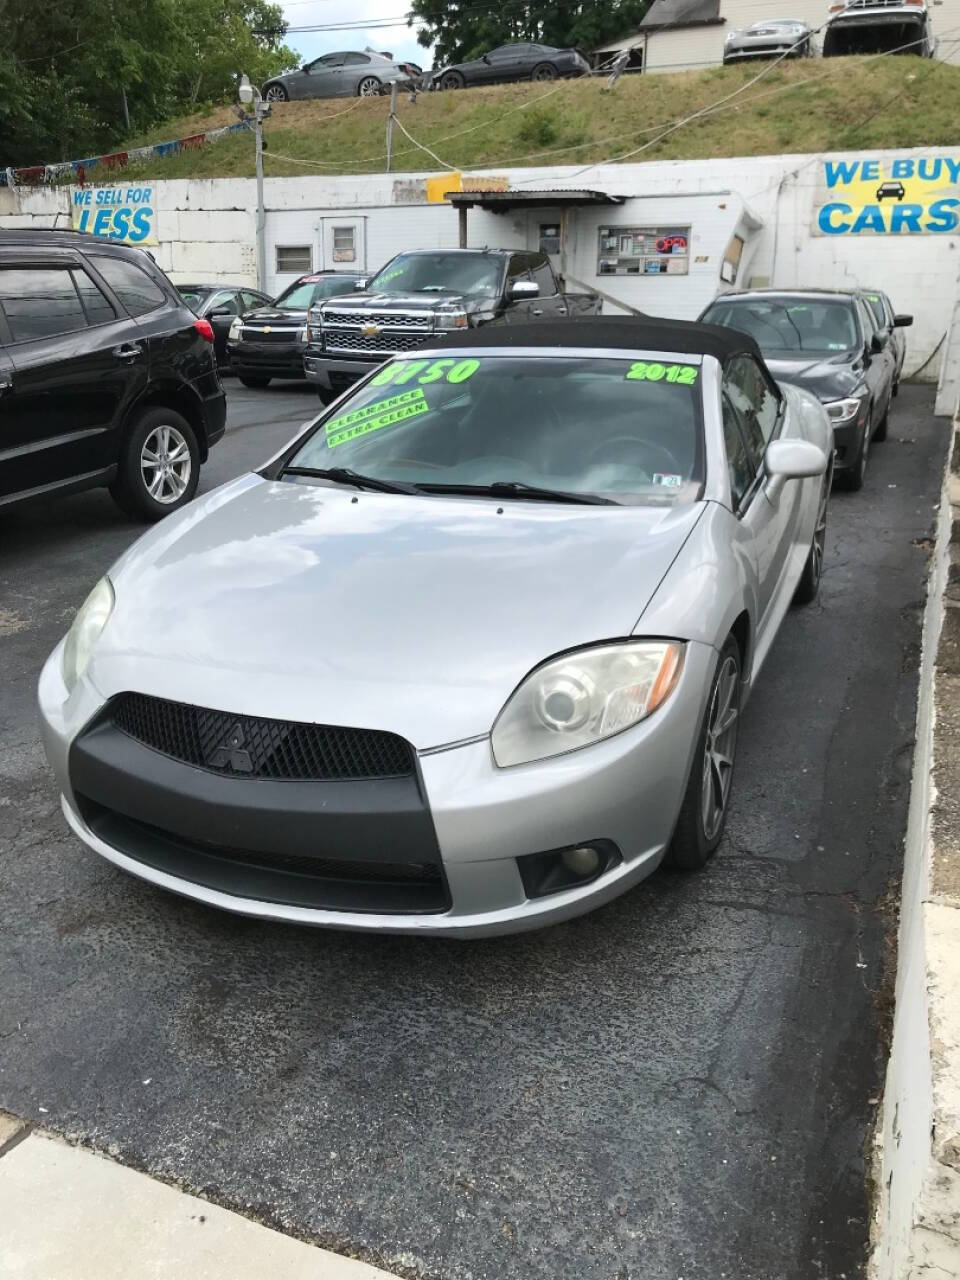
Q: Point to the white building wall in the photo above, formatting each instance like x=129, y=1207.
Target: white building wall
x=207, y=229
x=684, y=47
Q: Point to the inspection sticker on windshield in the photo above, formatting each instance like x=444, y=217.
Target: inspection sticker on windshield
x=382, y=413
x=652, y=371
x=666, y=481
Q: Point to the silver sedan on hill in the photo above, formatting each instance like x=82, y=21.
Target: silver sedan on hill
x=338, y=75
x=468, y=656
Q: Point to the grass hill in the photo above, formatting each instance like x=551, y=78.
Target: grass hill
x=808, y=106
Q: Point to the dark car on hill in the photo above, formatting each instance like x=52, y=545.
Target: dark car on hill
x=268, y=342
x=512, y=62
x=221, y=304
x=106, y=375
x=826, y=341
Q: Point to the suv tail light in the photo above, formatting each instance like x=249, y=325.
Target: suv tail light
x=205, y=329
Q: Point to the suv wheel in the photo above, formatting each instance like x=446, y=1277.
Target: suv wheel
x=160, y=466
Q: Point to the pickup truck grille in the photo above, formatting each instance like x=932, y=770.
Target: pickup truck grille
x=386, y=320
x=388, y=341
x=874, y=4
x=251, y=334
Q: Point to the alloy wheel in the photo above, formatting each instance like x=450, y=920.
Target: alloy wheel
x=719, y=747
x=369, y=87
x=276, y=93
x=165, y=465
x=819, y=541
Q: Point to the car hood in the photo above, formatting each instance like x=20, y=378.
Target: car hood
x=827, y=377
x=415, y=615
x=273, y=315
x=375, y=303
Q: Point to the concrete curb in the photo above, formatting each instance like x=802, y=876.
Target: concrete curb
x=67, y=1214
x=916, y=1229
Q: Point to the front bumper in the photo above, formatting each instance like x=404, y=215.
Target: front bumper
x=475, y=818
x=337, y=374
x=266, y=360
x=846, y=445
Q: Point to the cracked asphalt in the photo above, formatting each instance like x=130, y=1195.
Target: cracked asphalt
x=679, y=1085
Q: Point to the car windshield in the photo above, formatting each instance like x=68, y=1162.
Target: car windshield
x=302, y=295
x=627, y=429
x=784, y=327
x=475, y=273
x=194, y=298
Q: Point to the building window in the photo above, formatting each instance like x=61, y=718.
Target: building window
x=549, y=238
x=344, y=244
x=731, y=261
x=644, y=251
x=294, y=259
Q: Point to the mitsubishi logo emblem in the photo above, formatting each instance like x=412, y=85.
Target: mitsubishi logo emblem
x=229, y=752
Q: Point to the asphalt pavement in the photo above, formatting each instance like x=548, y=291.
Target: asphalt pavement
x=678, y=1085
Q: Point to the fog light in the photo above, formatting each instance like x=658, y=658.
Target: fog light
x=559, y=869
x=582, y=861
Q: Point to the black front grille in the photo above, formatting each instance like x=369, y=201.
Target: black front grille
x=244, y=746
x=275, y=335
x=385, y=319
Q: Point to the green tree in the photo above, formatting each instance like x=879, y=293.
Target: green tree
x=462, y=29
x=79, y=76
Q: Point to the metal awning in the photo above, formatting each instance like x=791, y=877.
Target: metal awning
x=504, y=201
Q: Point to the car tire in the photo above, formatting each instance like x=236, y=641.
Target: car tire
x=808, y=588
x=853, y=476
x=275, y=93
x=544, y=71
x=703, y=817
x=452, y=80
x=881, y=432
x=165, y=435
x=368, y=87
x=255, y=384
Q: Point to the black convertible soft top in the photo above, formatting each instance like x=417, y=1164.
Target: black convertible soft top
x=631, y=333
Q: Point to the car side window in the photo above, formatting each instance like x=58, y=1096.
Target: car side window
x=755, y=398
x=135, y=289
x=543, y=275
x=98, y=308
x=518, y=268
x=40, y=302
x=327, y=61
x=225, y=301
x=354, y=59
x=739, y=466
x=251, y=300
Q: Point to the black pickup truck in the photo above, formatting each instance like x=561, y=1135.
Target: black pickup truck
x=422, y=295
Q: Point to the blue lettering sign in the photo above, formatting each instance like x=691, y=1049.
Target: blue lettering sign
x=944, y=215
x=825, y=219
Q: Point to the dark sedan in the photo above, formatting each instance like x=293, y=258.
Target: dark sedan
x=513, y=62
x=221, y=304
x=268, y=343
x=827, y=342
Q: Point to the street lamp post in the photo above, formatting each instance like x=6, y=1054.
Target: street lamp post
x=248, y=93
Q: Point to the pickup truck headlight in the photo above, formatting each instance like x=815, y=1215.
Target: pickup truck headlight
x=584, y=697
x=92, y=616
x=451, y=320
x=233, y=334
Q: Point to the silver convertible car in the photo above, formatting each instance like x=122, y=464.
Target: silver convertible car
x=468, y=656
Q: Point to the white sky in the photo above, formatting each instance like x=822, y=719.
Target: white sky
x=400, y=40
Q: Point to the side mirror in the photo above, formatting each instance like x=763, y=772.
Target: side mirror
x=220, y=313
x=524, y=289
x=791, y=460
x=360, y=285
x=902, y=322
x=484, y=58
x=878, y=341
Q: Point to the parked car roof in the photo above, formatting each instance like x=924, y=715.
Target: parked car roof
x=63, y=239
x=640, y=333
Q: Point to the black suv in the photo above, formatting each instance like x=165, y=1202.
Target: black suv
x=106, y=375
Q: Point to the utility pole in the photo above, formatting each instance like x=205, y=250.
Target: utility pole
x=390, y=119
x=250, y=93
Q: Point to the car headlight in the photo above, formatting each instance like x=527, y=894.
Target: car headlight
x=451, y=320
x=843, y=410
x=234, y=331
x=584, y=697
x=92, y=617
